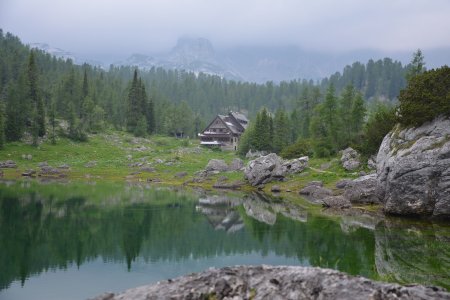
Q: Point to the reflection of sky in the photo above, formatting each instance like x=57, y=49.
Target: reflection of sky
x=96, y=277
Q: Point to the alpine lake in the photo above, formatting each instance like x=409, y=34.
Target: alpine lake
x=77, y=240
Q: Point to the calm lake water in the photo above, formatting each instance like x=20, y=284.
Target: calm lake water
x=74, y=241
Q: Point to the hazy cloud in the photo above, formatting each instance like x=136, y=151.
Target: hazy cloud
x=118, y=27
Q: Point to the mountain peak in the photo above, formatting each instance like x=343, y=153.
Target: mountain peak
x=193, y=49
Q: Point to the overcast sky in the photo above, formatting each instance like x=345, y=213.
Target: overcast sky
x=121, y=27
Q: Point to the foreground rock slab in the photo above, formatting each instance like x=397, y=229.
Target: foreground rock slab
x=269, y=282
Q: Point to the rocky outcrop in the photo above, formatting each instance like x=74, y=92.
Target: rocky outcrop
x=413, y=168
x=272, y=167
x=270, y=282
x=350, y=159
x=362, y=190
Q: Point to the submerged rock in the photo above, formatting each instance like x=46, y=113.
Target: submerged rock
x=275, y=282
x=413, y=168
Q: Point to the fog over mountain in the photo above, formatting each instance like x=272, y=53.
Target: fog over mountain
x=251, y=63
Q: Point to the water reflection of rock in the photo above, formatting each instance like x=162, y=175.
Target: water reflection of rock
x=222, y=214
x=411, y=253
x=219, y=209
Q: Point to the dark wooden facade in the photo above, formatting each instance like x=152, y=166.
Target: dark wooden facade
x=224, y=131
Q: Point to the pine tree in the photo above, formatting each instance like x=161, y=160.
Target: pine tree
x=133, y=112
x=2, y=125
x=280, y=131
x=52, y=120
x=358, y=112
x=329, y=112
x=36, y=103
x=345, y=115
x=417, y=65
x=85, y=88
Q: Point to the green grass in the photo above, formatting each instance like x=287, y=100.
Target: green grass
x=115, y=151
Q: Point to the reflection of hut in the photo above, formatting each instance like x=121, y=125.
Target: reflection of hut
x=224, y=131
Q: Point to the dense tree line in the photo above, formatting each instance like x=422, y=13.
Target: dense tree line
x=37, y=91
x=317, y=125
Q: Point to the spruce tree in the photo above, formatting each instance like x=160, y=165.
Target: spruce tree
x=133, y=113
x=36, y=103
x=52, y=120
x=417, y=65
x=345, y=115
x=280, y=131
x=358, y=113
x=2, y=125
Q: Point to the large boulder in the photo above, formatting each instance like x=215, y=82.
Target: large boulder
x=350, y=159
x=413, y=170
x=295, y=165
x=275, y=282
x=264, y=169
x=272, y=167
x=216, y=165
x=362, y=190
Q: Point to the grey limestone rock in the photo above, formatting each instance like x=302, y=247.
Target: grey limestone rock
x=350, y=159
x=236, y=164
x=272, y=167
x=295, y=165
x=216, y=165
x=362, y=190
x=274, y=282
x=315, y=192
x=336, y=202
x=264, y=169
x=8, y=164
x=413, y=170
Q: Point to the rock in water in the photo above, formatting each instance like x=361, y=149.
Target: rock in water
x=270, y=282
x=413, y=170
x=350, y=159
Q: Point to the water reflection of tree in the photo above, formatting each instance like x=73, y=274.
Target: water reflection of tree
x=41, y=234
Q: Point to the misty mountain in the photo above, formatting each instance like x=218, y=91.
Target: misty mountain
x=60, y=53
x=261, y=64
x=253, y=63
